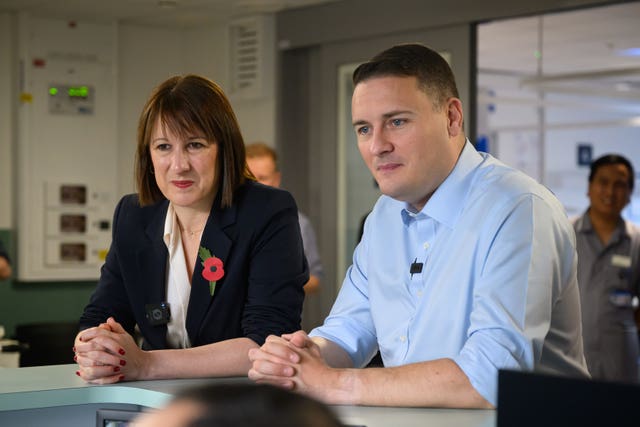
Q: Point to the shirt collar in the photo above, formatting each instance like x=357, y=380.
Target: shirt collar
x=171, y=233
x=447, y=201
x=584, y=225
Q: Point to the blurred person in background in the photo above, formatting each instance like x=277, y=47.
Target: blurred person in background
x=263, y=163
x=609, y=272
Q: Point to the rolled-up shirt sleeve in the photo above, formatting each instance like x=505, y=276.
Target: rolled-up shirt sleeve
x=350, y=324
x=520, y=282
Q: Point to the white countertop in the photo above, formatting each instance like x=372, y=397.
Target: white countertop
x=52, y=386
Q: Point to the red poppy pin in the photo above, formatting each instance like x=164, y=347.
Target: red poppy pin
x=212, y=268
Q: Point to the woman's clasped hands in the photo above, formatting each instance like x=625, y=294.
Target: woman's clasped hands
x=107, y=354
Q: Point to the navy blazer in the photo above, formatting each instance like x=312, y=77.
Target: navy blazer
x=261, y=293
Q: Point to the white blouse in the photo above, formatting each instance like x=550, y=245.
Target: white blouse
x=178, y=286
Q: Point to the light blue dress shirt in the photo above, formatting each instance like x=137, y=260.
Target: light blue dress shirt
x=497, y=289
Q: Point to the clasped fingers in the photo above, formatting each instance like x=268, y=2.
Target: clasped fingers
x=281, y=349
x=100, y=374
x=102, y=342
x=98, y=358
x=265, y=364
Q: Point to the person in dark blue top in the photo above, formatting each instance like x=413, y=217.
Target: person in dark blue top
x=205, y=261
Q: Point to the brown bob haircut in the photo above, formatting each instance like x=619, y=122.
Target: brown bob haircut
x=432, y=71
x=184, y=104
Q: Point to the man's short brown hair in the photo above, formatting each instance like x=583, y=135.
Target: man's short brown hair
x=432, y=71
x=260, y=149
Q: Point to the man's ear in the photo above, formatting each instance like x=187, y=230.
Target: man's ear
x=454, y=116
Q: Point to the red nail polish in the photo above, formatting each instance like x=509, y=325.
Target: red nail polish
x=75, y=358
x=73, y=349
x=121, y=378
x=116, y=369
x=78, y=373
x=121, y=351
x=123, y=362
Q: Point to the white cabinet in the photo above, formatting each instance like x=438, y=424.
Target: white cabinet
x=66, y=172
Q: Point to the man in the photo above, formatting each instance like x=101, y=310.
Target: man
x=5, y=263
x=609, y=272
x=466, y=266
x=263, y=163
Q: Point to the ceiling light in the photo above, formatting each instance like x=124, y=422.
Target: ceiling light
x=632, y=51
x=623, y=87
x=167, y=4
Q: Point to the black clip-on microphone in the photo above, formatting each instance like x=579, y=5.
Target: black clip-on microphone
x=415, y=268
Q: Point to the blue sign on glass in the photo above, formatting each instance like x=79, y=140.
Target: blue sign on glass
x=585, y=154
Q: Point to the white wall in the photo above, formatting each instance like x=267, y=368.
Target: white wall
x=207, y=51
x=257, y=119
x=147, y=56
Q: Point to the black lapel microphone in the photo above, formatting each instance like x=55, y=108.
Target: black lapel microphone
x=415, y=268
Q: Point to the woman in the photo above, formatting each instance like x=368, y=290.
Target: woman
x=205, y=261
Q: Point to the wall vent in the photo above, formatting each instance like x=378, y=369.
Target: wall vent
x=247, y=57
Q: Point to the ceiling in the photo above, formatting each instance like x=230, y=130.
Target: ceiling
x=579, y=52
x=153, y=12
x=586, y=40
x=575, y=51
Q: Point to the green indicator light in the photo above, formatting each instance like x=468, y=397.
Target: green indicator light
x=53, y=91
x=78, y=92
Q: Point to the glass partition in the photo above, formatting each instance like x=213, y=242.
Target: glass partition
x=554, y=94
